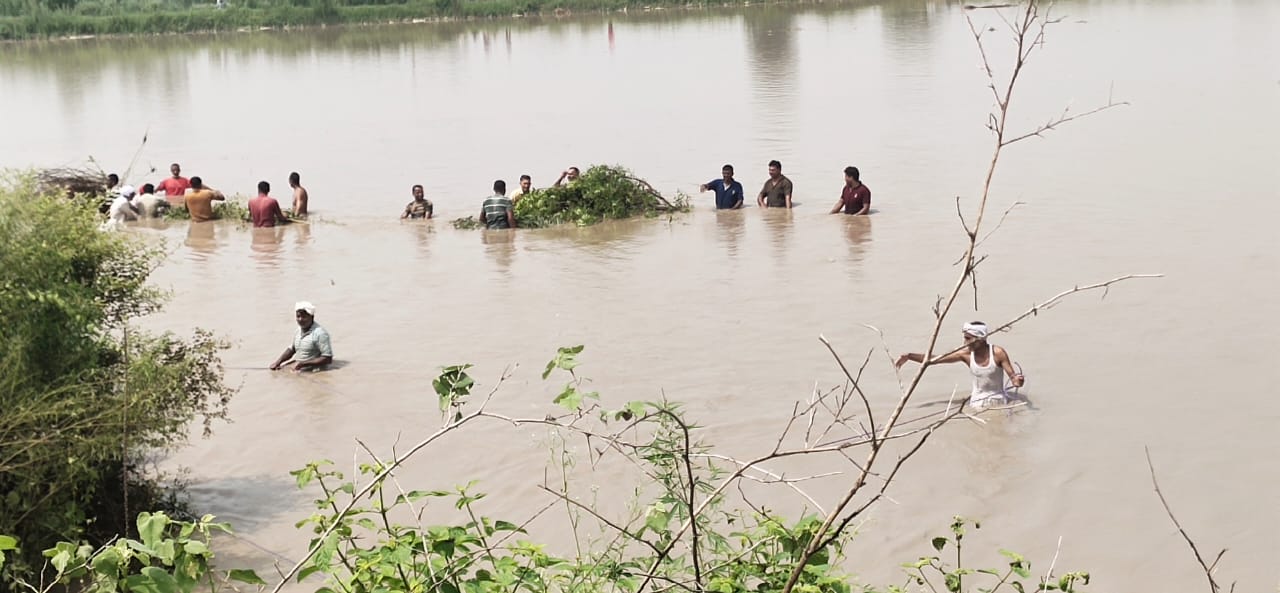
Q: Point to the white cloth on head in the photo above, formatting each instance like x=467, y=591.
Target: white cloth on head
x=128, y=192
x=975, y=329
x=305, y=306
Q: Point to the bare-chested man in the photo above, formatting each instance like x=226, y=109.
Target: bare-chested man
x=299, y=194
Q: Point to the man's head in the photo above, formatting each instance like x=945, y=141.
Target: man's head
x=128, y=192
x=975, y=334
x=148, y=188
x=197, y=183
x=775, y=169
x=418, y=192
x=304, y=313
x=264, y=188
x=500, y=187
x=175, y=170
x=526, y=183
x=112, y=180
x=851, y=175
x=294, y=179
x=727, y=172
x=573, y=174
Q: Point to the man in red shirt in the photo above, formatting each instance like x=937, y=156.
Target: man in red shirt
x=174, y=187
x=264, y=209
x=855, y=198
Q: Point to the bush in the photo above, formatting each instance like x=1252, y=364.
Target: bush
x=601, y=192
x=76, y=379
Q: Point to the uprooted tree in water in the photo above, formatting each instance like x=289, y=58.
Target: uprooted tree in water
x=602, y=192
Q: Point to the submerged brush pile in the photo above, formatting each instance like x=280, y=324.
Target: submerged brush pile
x=236, y=208
x=601, y=193
x=71, y=181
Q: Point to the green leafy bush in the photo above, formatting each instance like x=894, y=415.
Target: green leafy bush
x=84, y=396
x=601, y=192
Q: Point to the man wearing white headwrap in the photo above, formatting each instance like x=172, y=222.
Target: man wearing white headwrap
x=311, y=348
x=989, y=364
x=122, y=208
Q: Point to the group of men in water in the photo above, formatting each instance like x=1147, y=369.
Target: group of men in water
x=498, y=211
x=855, y=198
x=152, y=200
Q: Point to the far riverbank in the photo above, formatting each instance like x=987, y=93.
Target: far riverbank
x=89, y=19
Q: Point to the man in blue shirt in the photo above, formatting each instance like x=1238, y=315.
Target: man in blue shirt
x=728, y=191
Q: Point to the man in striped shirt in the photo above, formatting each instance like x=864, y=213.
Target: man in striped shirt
x=497, y=213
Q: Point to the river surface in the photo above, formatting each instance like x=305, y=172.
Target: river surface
x=723, y=310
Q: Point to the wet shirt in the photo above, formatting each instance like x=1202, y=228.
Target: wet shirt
x=727, y=196
x=174, y=187
x=775, y=193
x=855, y=199
x=264, y=210
x=200, y=205
x=495, y=212
x=311, y=343
x=419, y=209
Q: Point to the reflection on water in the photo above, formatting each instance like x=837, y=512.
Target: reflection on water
x=423, y=230
x=265, y=244
x=499, y=244
x=779, y=222
x=730, y=225
x=201, y=240
x=857, y=230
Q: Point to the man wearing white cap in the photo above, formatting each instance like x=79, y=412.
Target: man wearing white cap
x=311, y=348
x=121, y=209
x=988, y=363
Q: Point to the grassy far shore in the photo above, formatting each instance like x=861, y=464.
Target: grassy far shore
x=93, y=18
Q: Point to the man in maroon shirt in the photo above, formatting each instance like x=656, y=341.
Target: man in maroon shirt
x=264, y=209
x=855, y=198
x=174, y=187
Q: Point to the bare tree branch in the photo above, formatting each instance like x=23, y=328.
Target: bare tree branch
x=1208, y=570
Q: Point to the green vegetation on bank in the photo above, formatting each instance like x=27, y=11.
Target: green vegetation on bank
x=85, y=397
x=42, y=19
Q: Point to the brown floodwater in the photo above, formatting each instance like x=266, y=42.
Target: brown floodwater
x=722, y=310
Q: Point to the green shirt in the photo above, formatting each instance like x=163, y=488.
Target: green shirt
x=495, y=211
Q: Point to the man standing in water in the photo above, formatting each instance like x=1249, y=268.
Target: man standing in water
x=300, y=196
x=497, y=212
x=989, y=364
x=777, y=189
x=200, y=200
x=526, y=186
x=311, y=348
x=420, y=207
x=264, y=210
x=174, y=186
x=855, y=198
x=728, y=191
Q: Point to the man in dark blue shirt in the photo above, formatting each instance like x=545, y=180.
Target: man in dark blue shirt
x=728, y=191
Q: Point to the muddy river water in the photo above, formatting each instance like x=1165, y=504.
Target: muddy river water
x=722, y=310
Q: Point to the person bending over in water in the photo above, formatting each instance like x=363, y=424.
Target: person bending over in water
x=311, y=348
x=988, y=363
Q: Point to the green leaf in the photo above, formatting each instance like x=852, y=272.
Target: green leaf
x=566, y=358
x=452, y=385
x=151, y=527
x=939, y=543
x=953, y=582
x=8, y=543
x=246, y=576
x=570, y=399
x=162, y=581
x=60, y=561
x=195, y=548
